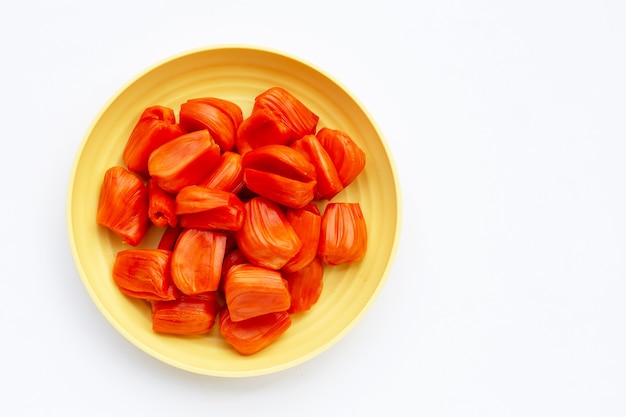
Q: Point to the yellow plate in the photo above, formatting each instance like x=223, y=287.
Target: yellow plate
x=238, y=74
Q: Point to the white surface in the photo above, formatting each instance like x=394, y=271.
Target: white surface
x=508, y=124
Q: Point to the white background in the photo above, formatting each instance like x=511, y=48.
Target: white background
x=507, y=121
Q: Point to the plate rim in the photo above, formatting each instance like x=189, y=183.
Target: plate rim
x=172, y=361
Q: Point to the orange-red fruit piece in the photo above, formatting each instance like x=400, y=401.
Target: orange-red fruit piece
x=255, y=334
x=197, y=261
x=144, y=273
x=280, y=174
x=162, y=206
x=262, y=127
x=227, y=175
x=348, y=157
x=279, y=189
x=305, y=286
x=266, y=238
x=123, y=205
x=187, y=315
x=231, y=108
x=306, y=222
x=289, y=109
x=227, y=218
x=156, y=126
x=328, y=182
x=199, y=114
x=195, y=198
x=207, y=208
x=160, y=113
x=281, y=160
x=343, y=236
x=252, y=291
x=184, y=161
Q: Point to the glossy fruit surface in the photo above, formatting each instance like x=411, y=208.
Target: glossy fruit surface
x=266, y=237
x=123, y=205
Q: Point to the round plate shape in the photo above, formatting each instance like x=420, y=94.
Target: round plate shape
x=239, y=74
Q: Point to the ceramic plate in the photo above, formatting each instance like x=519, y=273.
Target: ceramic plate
x=238, y=74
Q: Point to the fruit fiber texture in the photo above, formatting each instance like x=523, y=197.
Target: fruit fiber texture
x=123, y=205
